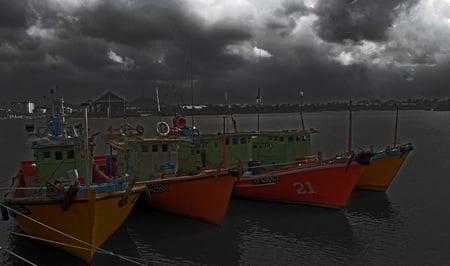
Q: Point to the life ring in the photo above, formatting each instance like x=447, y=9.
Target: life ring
x=140, y=129
x=162, y=128
x=180, y=122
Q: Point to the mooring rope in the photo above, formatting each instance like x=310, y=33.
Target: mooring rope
x=90, y=246
x=17, y=256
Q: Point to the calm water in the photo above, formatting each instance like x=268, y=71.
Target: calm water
x=407, y=225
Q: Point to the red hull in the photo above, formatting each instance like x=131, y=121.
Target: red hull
x=326, y=185
x=205, y=196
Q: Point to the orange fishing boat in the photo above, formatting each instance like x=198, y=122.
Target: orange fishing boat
x=384, y=166
x=51, y=203
x=154, y=163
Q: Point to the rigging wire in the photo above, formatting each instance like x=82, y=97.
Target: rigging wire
x=91, y=247
x=17, y=256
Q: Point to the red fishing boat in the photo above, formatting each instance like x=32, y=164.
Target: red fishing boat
x=327, y=183
x=154, y=162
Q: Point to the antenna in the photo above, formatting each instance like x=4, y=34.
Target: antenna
x=301, y=110
x=258, y=103
x=157, y=102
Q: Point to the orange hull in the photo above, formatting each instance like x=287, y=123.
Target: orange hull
x=382, y=170
x=203, y=196
x=80, y=230
x=325, y=184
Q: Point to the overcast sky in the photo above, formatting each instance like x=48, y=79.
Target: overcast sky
x=330, y=49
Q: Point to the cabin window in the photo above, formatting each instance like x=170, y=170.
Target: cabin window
x=243, y=140
x=70, y=154
x=235, y=141
x=281, y=139
x=47, y=155
x=290, y=139
x=59, y=155
x=275, y=138
x=226, y=141
x=165, y=148
x=305, y=137
x=297, y=139
x=154, y=148
x=174, y=147
x=144, y=148
x=216, y=144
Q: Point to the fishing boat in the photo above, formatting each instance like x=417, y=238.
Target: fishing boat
x=383, y=168
x=327, y=183
x=276, y=166
x=55, y=199
x=384, y=164
x=154, y=163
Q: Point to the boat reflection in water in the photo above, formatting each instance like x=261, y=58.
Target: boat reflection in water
x=283, y=234
x=253, y=232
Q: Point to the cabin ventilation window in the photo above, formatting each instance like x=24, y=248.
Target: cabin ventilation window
x=243, y=140
x=154, y=148
x=235, y=141
x=226, y=142
x=70, y=154
x=144, y=148
x=297, y=139
x=47, y=155
x=281, y=139
x=58, y=155
x=290, y=139
x=165, y=148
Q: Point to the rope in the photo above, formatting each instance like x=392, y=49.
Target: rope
x=17, y=256
x=91, y=247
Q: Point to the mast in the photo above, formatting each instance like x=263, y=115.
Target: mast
x=224, y=144
x=396, y=128
x=226, y=111
x=301, y=110
x=192, y=95
x=86, y=147
x=349, y=148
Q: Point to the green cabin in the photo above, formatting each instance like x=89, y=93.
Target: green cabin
x=147, y=158
x=266, y=148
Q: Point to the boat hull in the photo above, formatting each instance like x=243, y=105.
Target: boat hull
x=89, y=221
x=205, y=196
x=382, y=170
x=328, y=185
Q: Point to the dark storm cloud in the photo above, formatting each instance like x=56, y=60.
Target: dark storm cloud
x=141, y=22
x=356, y=20
x=330, y=49
x=13, y=13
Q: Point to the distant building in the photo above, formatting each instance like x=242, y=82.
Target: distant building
x=109, y=102
x=22, y=107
